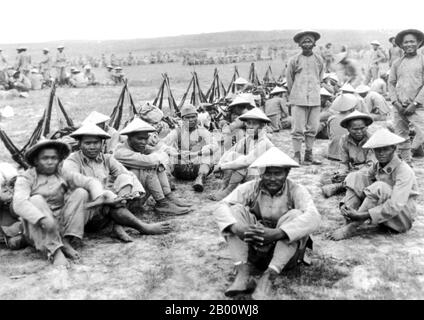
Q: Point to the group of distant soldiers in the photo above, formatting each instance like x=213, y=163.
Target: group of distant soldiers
x=265, y=216
x=25, y=75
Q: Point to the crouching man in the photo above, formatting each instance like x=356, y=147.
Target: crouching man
x=384, y=195
x=267, y=223
x=92, y=162
x=191, y=149
x=148, y=168
x=47, y=198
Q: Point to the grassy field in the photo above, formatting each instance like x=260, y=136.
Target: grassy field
x=192, y=262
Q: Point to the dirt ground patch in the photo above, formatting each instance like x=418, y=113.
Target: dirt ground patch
x=193, y=262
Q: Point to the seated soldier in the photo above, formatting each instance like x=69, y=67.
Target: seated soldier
x=343, y=105
x=148, y=168
x=77, y=79
x=20, y=82
x=384, y=195
x=51, y=200
x=325, y=114
x=375, y=103
x=267, y=223
x=235, y=130
x=277, y=111
x=11, y=227
x=203, y=117
x=154, y=116
x=36, y=79
x=234, y=163
x=380, y=85
x=92, y=162
x=91, y=77
x=101, y=120
x=352, y=154
x=191, y=149
x=331, y=83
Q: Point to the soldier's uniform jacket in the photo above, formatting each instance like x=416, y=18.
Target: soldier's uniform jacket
x=271, y=208
x=304, y=75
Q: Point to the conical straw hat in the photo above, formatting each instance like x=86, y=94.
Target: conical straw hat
x=96, y=118
x=344, y=102
x=256, y=114
x=137, y=125
x=90, y=129
x=355, y=115
x=274, y=157
x=383, y=138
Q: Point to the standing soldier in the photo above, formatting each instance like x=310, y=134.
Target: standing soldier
x=304, y=75
x=23, y=60
x=394, y=52
x=61, y=62
x=377, y=56
x=327, y=55
x=45, y=65
x=406, y=90
x=276, y=109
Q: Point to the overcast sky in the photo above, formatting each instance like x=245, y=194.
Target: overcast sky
x=25, y=21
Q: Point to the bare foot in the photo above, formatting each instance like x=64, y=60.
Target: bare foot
x=69, y=251
x=157, y=228
x=119, y=233
x=343, y=232
x=59, y=259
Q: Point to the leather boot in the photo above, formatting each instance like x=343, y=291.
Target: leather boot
x=332, y=189
x=242, y=283
x=180, y=203
x=263, y=289
x=297, y=157
x=165, y=206
x=309, y=159
x=198, y=183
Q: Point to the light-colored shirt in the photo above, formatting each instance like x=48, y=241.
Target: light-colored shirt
x=406, y=80
x=376, y=103
x=276, y=105
x=376, y=57
x=136, y=160
x=266, y=207
x=184, y=142
x=352, y=154
x=405, y=188
x=394, y=54
x=105, y=168
x=379, y=86
x=52, y=188
x=304, y=75
x=245, y=152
